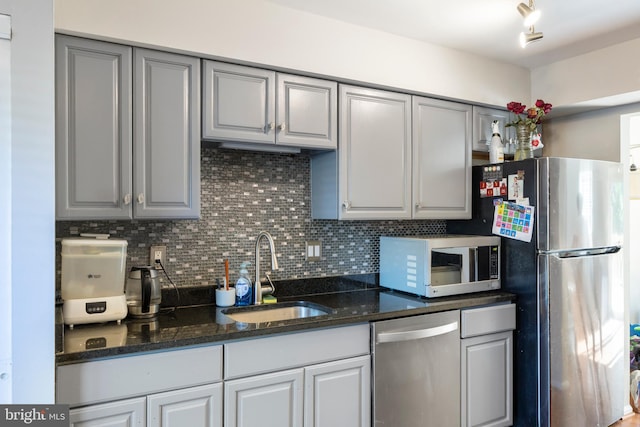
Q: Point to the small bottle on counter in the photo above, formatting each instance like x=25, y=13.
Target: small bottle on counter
x=496, y=151
x=244, y=296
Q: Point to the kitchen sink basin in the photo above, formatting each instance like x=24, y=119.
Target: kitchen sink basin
x=277, y=312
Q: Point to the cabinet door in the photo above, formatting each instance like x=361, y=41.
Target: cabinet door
x=123, y=413
x=338, y=394
x=239, y=103
x=167, y=135
x=307, y=112
x=270, y=400
x=441, y=159
x=93, y=129
x=482, y=130
x=487, y=380
x=375, y=154
x=194, y=406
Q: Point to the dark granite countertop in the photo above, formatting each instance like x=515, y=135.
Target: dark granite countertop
x=350, y=302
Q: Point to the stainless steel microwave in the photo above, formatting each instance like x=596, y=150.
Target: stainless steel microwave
x=439, y=266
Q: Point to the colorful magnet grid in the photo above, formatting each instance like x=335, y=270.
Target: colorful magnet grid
x=513, y=221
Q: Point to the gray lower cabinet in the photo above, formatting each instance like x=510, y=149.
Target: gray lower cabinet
x=127, y=132
x=442, y=140
x=369, y=177
x=334, y=394
x=283, y=380
x=319, y=378
x=269, y=400
x=173, y=389
x=122, y=413
x=483, y=117
x=337, y=394
x=194, y=406
x=254, y=108
x=486, y=361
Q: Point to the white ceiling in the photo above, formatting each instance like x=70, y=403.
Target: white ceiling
x=491, y=27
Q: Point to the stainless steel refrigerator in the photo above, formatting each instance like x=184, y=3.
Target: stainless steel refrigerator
x=569, y=360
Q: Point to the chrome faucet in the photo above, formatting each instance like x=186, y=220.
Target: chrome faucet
x=257, y=287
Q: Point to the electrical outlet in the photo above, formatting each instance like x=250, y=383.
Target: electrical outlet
x=314, y=250
x=158, y=255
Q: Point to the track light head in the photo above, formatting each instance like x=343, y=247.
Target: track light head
x=529, y=13
x=525, y=39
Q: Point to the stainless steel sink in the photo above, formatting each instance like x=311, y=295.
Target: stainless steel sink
x=276, y=312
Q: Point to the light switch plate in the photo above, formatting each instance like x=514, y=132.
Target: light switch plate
x=313, y=250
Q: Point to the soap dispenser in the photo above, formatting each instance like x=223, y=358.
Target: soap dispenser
x=244, y=294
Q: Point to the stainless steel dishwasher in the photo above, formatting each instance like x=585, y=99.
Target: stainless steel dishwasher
x=416, y=366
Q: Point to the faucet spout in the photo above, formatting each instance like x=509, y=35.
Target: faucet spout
x=257, y=287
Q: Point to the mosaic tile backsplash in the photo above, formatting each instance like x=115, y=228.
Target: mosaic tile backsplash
x=243, y=193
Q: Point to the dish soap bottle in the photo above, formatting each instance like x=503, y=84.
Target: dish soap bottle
x=496, y=152
x=244, y=295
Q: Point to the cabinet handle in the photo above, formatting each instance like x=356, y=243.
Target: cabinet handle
x=140, y=198
x=127, y=199
x=271, y=126
x=282, y=127
x=346, y=204
x=418, y=205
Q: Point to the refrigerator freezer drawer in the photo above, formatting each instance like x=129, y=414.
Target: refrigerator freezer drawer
x=487, y=320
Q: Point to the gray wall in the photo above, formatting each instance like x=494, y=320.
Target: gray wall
x=244, y=193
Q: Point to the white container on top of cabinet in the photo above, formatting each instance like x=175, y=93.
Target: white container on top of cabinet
x=392, y=166
x=482, y=131
x=260, y=109
x=127, y=132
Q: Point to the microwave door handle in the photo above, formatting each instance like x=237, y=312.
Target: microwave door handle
x=473, y=264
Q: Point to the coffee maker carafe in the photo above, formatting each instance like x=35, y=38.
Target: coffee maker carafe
x=143, y=291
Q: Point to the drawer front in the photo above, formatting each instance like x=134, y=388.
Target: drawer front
x=487, y=320
x=251, y=357
x=118, y=378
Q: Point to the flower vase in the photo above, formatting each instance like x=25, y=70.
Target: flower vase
x=523, y=147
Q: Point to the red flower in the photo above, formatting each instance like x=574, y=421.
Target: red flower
x=516, y=107
x=531, y=117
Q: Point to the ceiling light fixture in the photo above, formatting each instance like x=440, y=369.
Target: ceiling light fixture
x=525, y=39
x=529, y=13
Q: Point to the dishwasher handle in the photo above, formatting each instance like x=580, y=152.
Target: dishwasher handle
x=415, y=334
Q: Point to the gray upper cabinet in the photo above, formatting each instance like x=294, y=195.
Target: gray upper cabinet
x=93, y=129
x=441, y=159
x=251, y=105
x=307, y=112
x=126, y=148
x=166, y=135
x=369, y=176
x=238, y=103
x=482, y=131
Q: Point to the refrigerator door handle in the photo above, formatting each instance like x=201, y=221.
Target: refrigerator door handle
x=416, y=334
x=588, y=252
